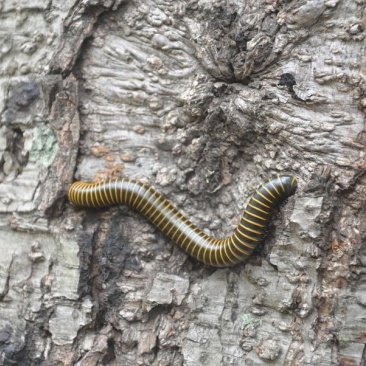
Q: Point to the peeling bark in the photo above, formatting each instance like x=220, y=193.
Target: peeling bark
x=202, y=99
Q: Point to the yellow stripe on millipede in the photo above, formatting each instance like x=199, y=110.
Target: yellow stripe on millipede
x=252, y=222
x=130, y=192
x=158, y=209
x=173, y=226
x=249, y=229
x=199, y=252
x=87, y=196
x=244, y=243
x=274, y=187
x=106, y=195
x=223, y=247
x=209, y=250
x=194, y=241
x=100, y=191
x=100, y=194
x=88, y=191
x=280, y=180
x=114, y=190
x=126, y=191
x=209, y=253
x=258, y=209
x=195, y=244
x=261, y=203
x=170, y=221
x=72, y=192
x=97, y=193
x=256, y=216
x=216, y=259
x=221, y=257
x=147, y=203
x=206, y=247
x=151, y=204
x=170, y=210
x=91, y=190
x=143, y=197
x=177, y=229
x=108, y=192
x=95, y=189
x=77, y=189
x=268, y=191
x=264, y=197
x=239, y=249
x=121, y=192
x=138, y=197
x=226, y=251
x=182, y=244
x=231, y=249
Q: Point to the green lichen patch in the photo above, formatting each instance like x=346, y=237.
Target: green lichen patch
x=44, y=146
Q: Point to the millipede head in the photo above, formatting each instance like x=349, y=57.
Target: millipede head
x=289, y=183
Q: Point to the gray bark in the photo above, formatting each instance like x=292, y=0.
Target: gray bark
x=203, y=100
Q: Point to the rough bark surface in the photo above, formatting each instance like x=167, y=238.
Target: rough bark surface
x=203, y=99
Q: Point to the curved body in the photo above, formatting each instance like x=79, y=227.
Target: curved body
x=214, y=252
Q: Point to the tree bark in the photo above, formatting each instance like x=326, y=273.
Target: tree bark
x=203, y=100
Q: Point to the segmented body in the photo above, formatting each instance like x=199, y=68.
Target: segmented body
x=215, y=252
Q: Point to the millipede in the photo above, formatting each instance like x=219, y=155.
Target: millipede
x=214, y=252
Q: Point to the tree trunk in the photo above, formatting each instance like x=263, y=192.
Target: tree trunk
x=203, y=100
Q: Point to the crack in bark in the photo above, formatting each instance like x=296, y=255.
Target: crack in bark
x=7, y=282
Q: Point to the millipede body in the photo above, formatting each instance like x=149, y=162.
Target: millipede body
x=215, y=252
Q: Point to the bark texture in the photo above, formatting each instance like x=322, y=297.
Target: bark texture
x=203, y=99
